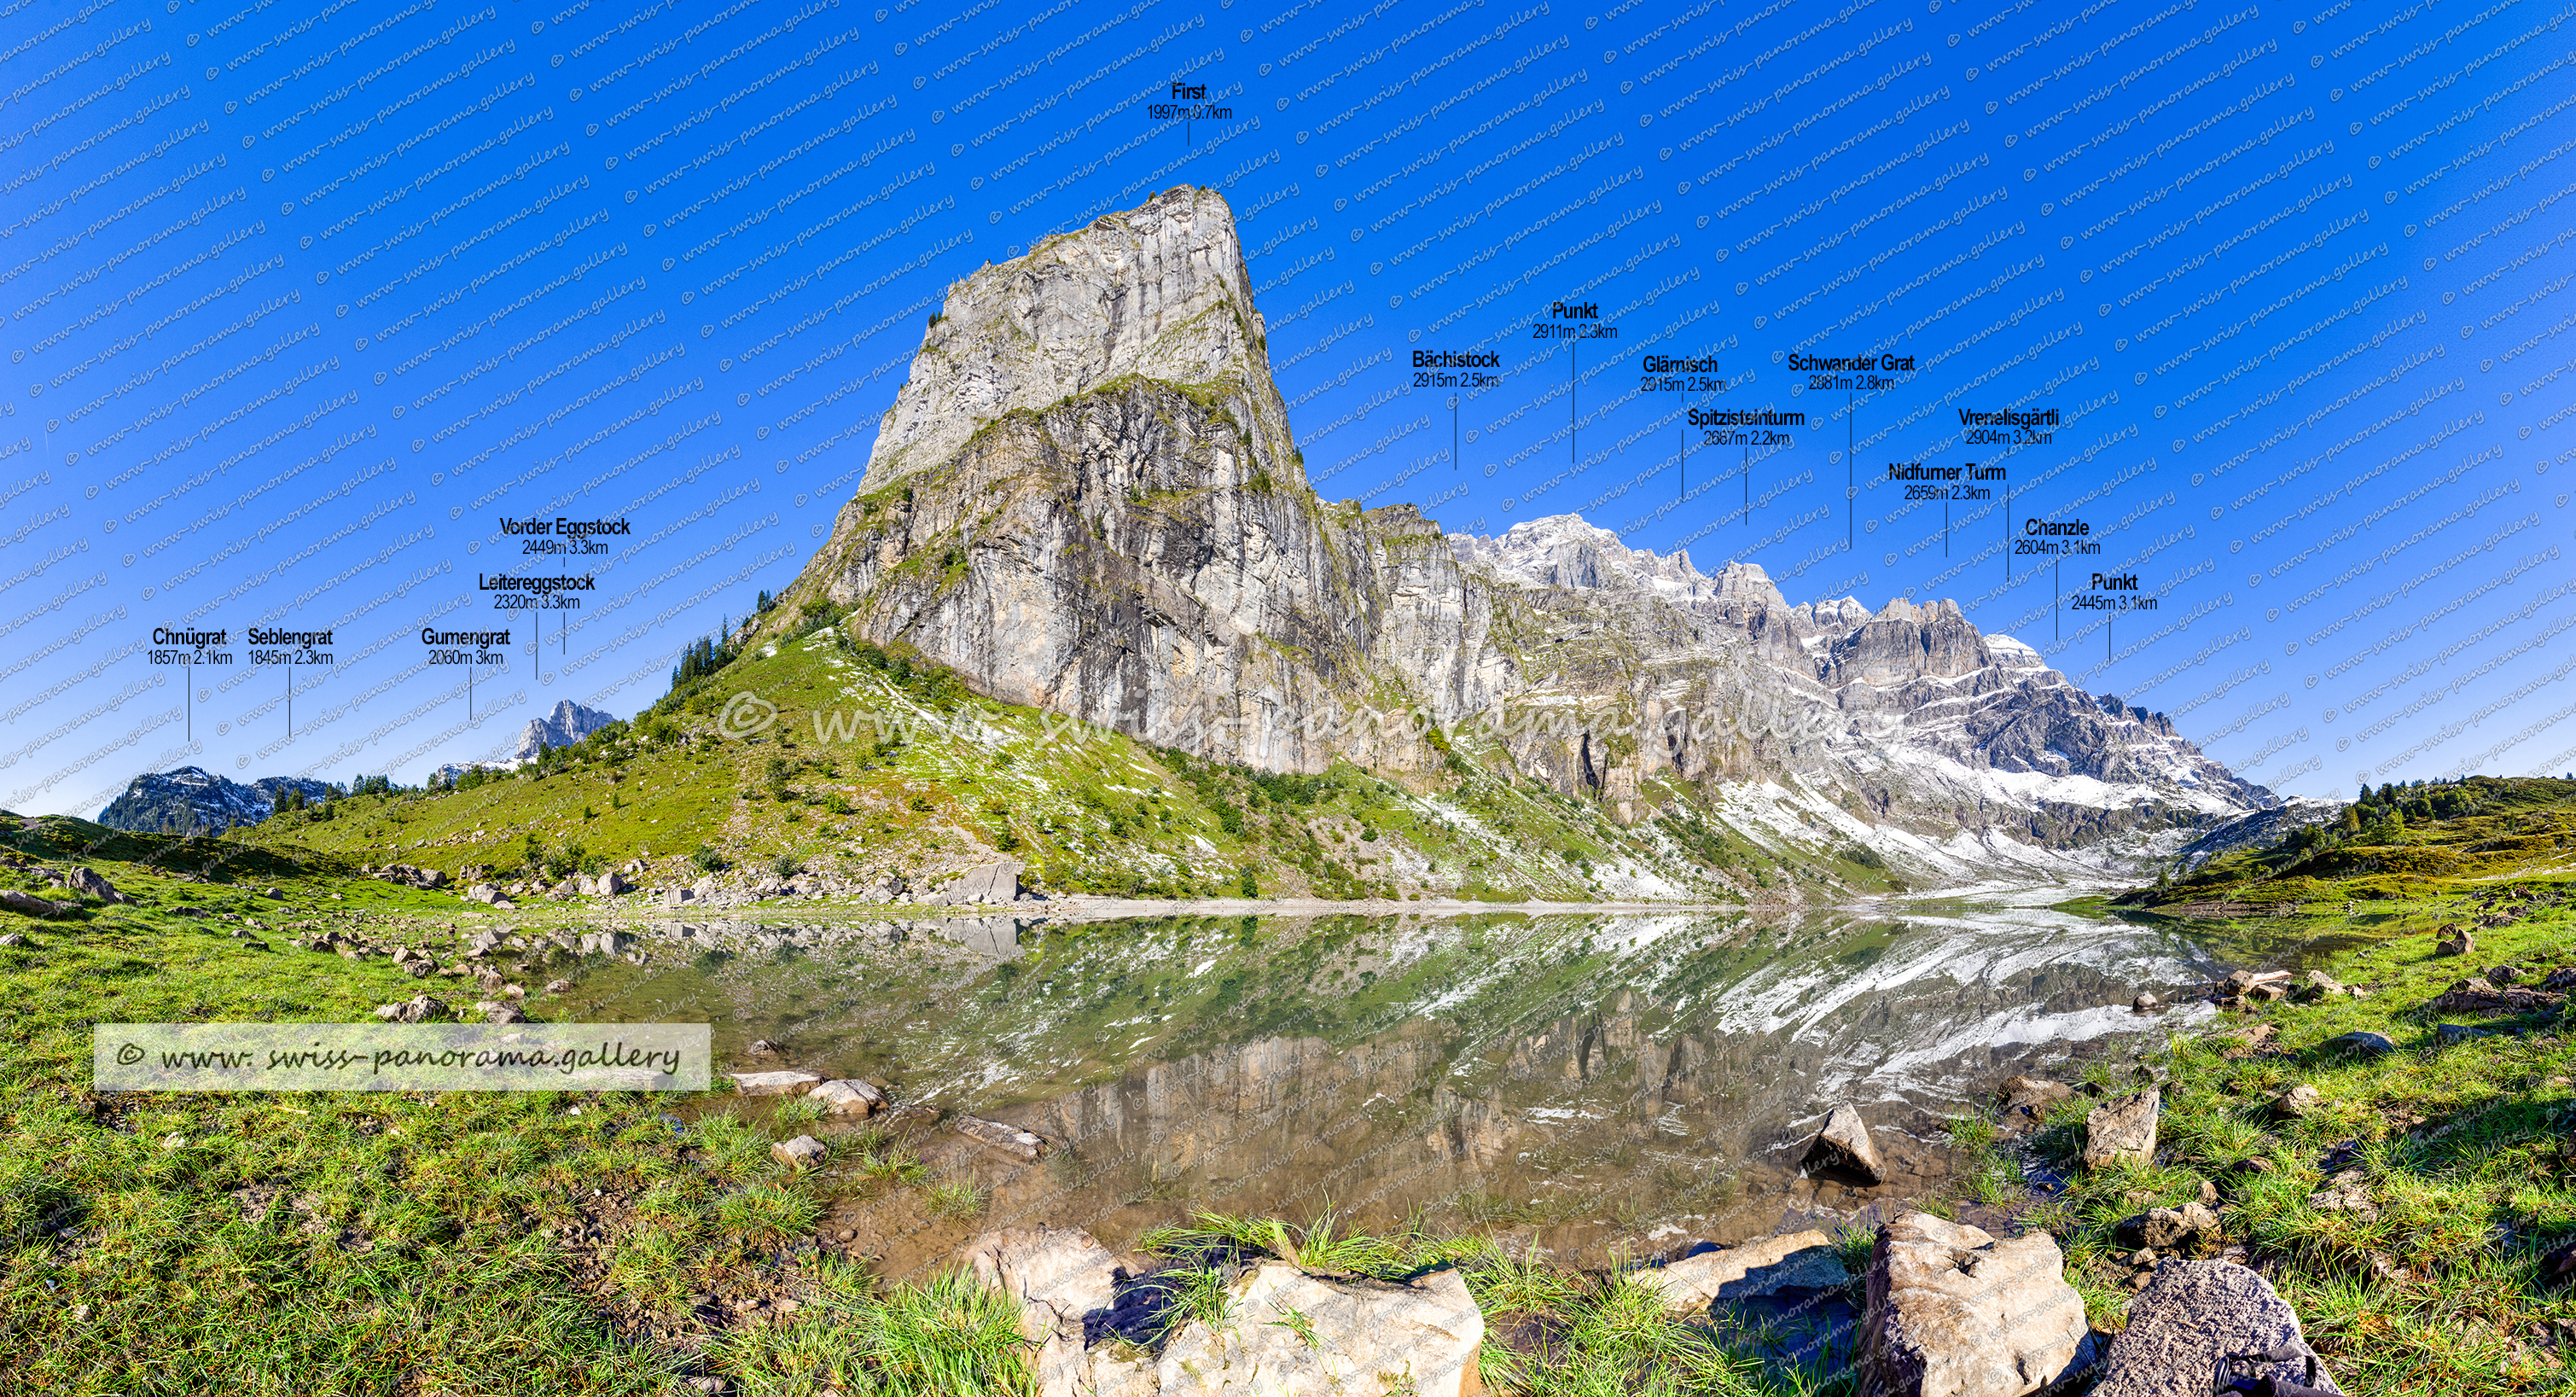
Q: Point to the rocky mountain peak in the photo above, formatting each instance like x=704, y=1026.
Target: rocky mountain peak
x=1563, y=550
x=1105, y=517
x=569, y=723
x=1158, y=292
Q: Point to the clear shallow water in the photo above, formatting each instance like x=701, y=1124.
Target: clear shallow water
x=1623, y=1082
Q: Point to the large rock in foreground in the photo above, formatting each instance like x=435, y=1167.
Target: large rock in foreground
x=1955, y=1312
x=1286, y=1333
x=1058, y=1275
x=1798, y=1261
x=2193, y=1314
x=1290, y=1334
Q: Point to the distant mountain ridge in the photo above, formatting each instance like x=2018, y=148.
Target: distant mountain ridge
x=192, y=800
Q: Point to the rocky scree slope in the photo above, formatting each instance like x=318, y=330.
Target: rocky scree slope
x=1086, y=498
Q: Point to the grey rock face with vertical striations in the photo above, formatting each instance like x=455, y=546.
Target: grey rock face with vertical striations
x=1087, y=498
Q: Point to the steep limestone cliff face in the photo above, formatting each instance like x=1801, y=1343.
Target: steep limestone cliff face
x=1087, y=498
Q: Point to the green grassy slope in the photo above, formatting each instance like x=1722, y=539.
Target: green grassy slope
x=870, y=765
x=2404, y=859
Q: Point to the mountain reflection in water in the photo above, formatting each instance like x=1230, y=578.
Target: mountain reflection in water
x=1611, y=1081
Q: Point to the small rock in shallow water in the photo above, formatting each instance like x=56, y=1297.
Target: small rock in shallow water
x=2027, y=1099
x=803, y=1152
x=848, y=1098
x=1844, y=1143
x=775, y=1083
x=1002, y=1137
x=2146, y=1002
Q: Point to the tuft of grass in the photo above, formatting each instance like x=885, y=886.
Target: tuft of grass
x=763, y=1213
x=1200, y=1293
x=955, y=1198
x=948, y=1337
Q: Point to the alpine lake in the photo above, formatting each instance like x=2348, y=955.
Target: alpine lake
x=1606, y=1085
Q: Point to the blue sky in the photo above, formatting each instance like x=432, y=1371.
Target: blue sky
x=304, y=300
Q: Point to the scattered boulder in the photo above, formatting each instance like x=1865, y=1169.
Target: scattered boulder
x=83, y=879
x=484, y=893
x=1419, y=1338
x=789, y=1083
x=2478, y=995
x=802, y=1153
x=2346, y=1192
x=420, y=1008
x=1844, y=1143
x=2258, y=1040
x=30, y=904
x=2362, y=1043
x=12, y=939
x=2455, y=941
x=2451, y=1035
x=2027, y=1099
x=1955, y=1312
x=2192, y=1315
x=2320, y=985
x=2247, y=981
x=993, y=882
x=2122, y=1130
x=2169, y=1229
x=848, y=1098
x=497, y=1011
x=2298, y=1101
x=1008, y=1138
x=2146, y=1002
x=1798, y=1261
